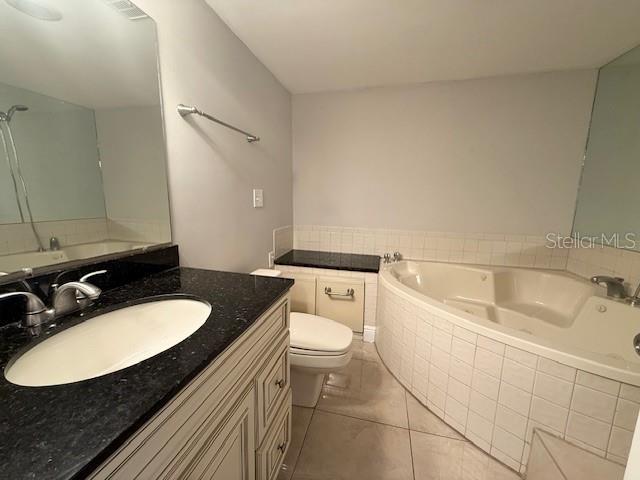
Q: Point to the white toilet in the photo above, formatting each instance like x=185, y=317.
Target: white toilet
x=318, y=346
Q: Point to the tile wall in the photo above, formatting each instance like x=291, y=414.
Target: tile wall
x=482, y=248
x=616, y=262
x=282, y=240
x=552, y=458
x=494, y=394
x=132, y=230
x=18, y=237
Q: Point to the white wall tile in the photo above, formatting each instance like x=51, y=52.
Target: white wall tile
x=549, y=414
x=553, y=389
x=598, y=383
x=459, y=391
x=491, y=345
x=525, y=358
x=518, y=375
x=620, y=442
x=514, y=398
x=480, y=426
x=463, y=350
x=483, y=406
x=593, y=403
x=511, y=421
x=630, y=392
x=588, y=430
x=507, y=443
x=488, y=362
x=626, y=414
x=556, y=369
x=461, y=371
x=485, y=384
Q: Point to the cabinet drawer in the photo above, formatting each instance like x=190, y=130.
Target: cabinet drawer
x=342, y=300
x=271, y=454
x=273, y=385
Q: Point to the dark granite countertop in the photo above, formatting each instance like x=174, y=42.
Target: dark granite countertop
x=334, y=261
x=66, y=431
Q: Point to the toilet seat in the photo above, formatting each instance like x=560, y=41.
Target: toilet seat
x=312, y=335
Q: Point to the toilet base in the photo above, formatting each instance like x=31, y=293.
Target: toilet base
x=306, y=386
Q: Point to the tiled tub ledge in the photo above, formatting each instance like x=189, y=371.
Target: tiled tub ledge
x=493, y=393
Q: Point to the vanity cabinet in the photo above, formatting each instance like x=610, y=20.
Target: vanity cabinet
x=232, y=422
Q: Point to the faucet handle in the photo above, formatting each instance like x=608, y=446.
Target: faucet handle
x=86, y=277
x=397, y=256
x=387, y=258
x=34, y=304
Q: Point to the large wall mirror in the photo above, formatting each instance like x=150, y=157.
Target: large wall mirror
x=82, y=149
x=607, y=210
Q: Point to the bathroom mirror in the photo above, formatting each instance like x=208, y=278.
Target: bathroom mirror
x=606, y=208
x=82, y=149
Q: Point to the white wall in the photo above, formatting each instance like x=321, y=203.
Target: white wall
x=212, y=170
x=496, y=155
x=134, y=171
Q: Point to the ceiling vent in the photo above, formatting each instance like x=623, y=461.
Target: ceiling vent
x=126, y=8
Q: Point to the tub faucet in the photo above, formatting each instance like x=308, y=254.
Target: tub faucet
x=397, y=256
x=635, y=300
x=387, y=258
x=615, y=287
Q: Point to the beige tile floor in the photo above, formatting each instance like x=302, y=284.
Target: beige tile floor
x=367, y=427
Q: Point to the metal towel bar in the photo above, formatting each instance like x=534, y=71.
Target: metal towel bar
x=349, y=293
x=185, y=110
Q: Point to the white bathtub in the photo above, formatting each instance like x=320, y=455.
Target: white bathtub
x=14, y=262
x=499, y=351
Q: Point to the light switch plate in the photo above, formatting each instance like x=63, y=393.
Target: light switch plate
x=258, y=198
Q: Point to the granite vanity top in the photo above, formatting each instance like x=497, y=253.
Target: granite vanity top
x=66, y=431
x=331, y=260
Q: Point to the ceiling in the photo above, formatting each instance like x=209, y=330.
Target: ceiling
x=94, y=56
x=319, y=45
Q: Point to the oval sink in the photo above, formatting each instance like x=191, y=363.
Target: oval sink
x=108, y=342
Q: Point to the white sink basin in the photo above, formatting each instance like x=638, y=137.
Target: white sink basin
x=108, y=343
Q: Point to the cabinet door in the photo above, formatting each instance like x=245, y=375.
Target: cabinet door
x=341, y=300
x=229, y=453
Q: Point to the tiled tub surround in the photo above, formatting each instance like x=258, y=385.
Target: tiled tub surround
x=474, y=248
x=604, y=260
x=18, y=237
x=494, y=385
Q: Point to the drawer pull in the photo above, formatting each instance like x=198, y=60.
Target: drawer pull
x=349, y=293
x=282, y=447
x=281, y=383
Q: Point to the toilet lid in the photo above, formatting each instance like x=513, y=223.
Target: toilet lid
x=319, y=334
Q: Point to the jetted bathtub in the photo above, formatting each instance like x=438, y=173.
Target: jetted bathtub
x=499, y=351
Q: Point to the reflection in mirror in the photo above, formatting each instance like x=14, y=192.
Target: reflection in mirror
x=82, y=150
x=606, y=207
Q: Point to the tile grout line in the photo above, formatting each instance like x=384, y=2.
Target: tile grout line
x=413, y=463
x=304, y=439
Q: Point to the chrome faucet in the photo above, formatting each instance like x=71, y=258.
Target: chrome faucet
x=615, y=285
x=634, y=301
x=387, y=258
x=66, y=298
x=54, y=244
x=35, y=312
x=397, y=256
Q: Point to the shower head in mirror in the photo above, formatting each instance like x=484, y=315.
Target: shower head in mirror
x=14, y=108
